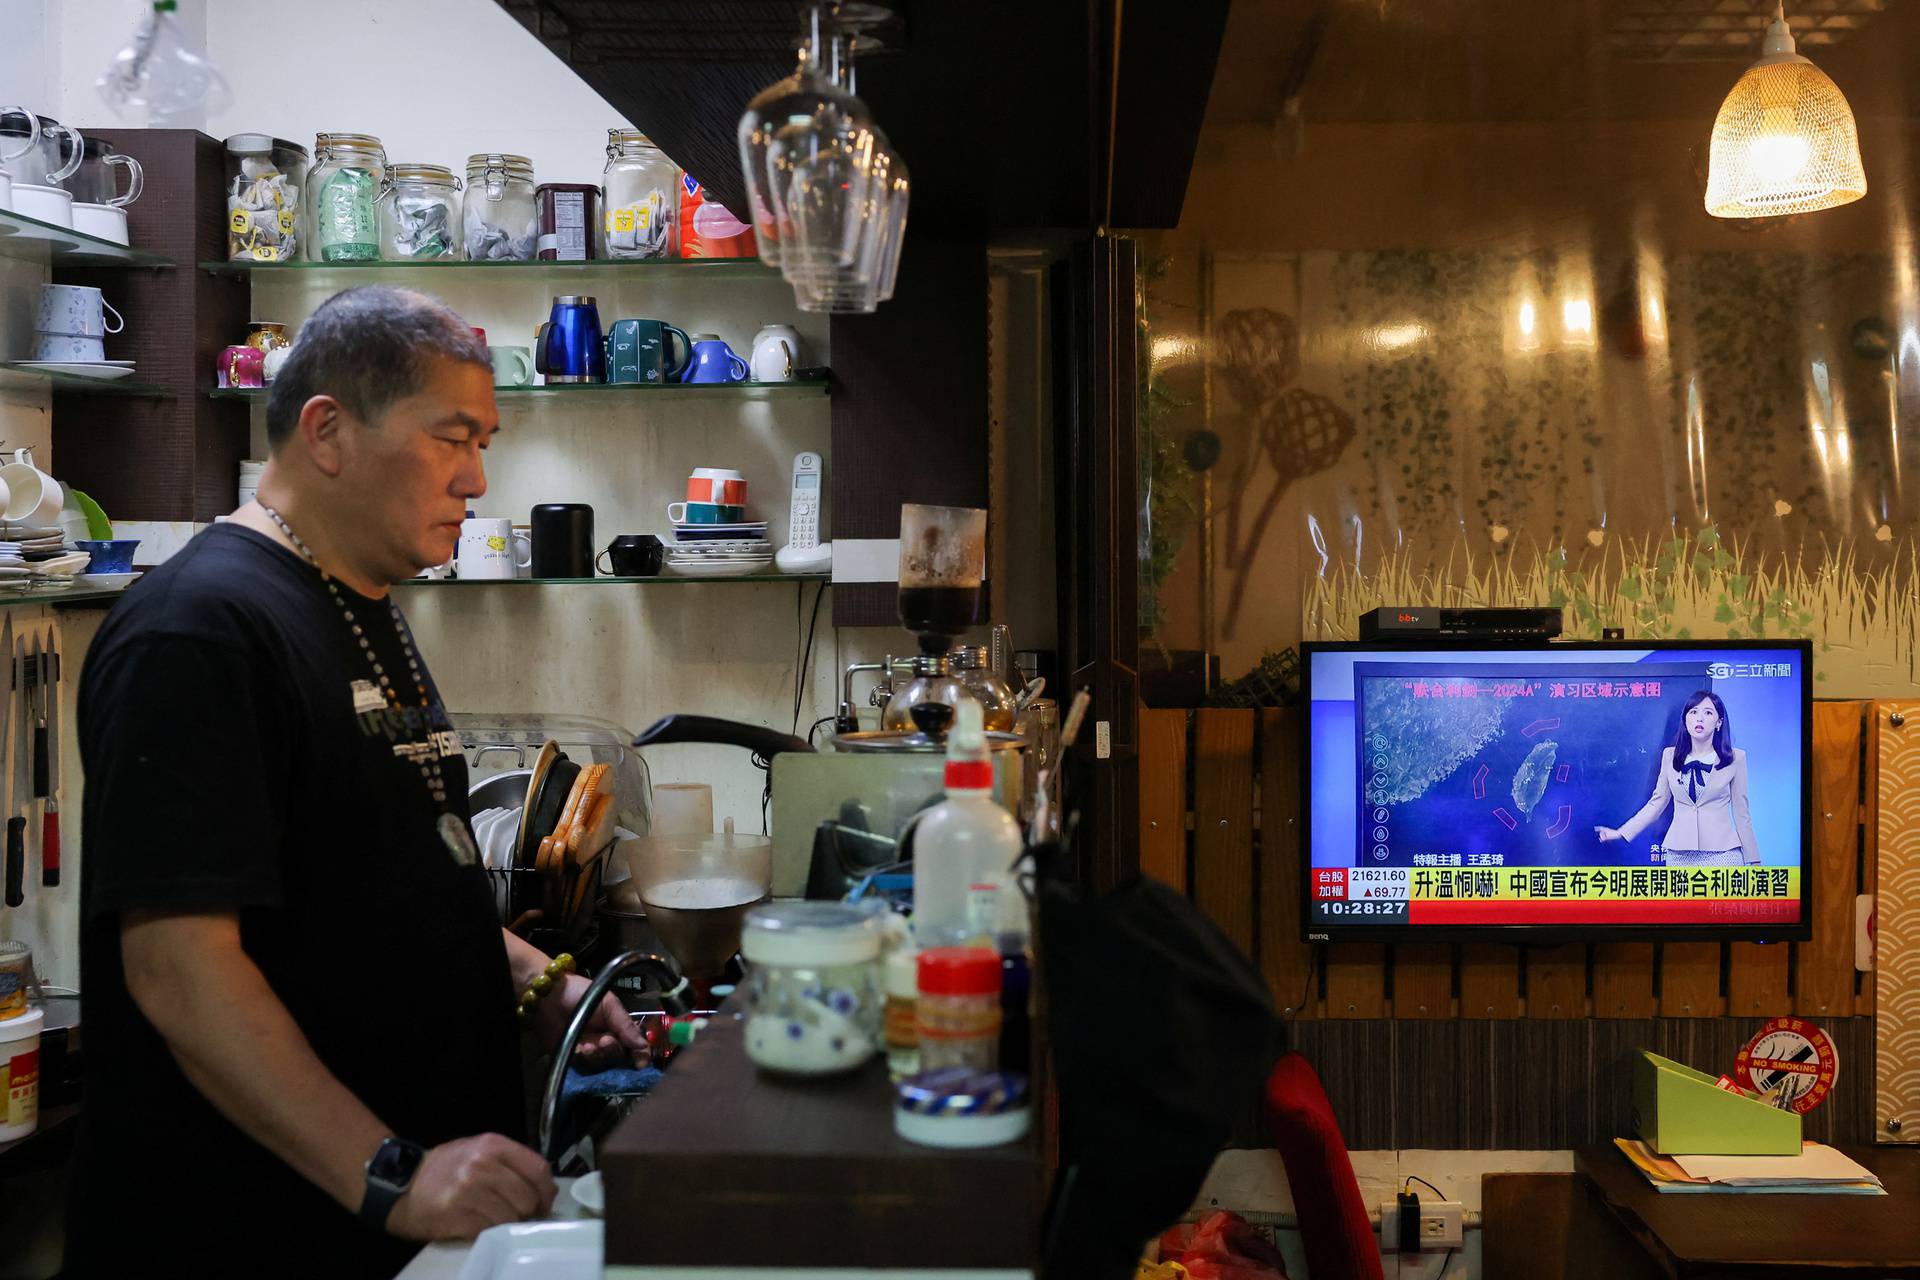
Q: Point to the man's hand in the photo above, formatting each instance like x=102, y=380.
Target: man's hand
x=464, y=1187
x=609, y=1039
x=1607, y=835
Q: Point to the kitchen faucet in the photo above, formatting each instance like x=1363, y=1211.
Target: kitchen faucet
x=673, y=989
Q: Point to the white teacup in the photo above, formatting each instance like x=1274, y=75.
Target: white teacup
x=33, y=496
x=491, y=549
x=68, y=348
x=101, y=221
x=75, y=309
x=48, y=204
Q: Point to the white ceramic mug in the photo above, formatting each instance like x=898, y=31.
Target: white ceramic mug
x=490, y=549
x=33, y=496
x=776, y=353
x=48, y=204
x=101, y=221
x=6, y=191
x=68, y=348
x=75, y=309
x=270, y=367
x=512, y=366
x=523, y=533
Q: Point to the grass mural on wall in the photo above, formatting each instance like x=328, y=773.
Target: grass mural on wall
x=1865, y=622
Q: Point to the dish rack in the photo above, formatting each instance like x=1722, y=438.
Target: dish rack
x=497, y=743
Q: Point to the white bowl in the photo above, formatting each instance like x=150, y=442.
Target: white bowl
x=107, y=581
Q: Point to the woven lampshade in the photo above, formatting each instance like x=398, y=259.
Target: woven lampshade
x=1784, y=141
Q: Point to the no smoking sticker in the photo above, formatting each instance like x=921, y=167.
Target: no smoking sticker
x=1791, y=1060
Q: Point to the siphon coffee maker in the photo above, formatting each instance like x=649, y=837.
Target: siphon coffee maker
x=943, y=555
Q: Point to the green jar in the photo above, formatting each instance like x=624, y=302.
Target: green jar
x=349, y=172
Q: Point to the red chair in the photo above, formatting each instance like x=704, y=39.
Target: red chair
x=1339, y=1241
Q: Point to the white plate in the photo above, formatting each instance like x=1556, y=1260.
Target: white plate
x=107, y=581
x=102, y=372
x=717, y=569
x=537, y=1251
x=590, y=1193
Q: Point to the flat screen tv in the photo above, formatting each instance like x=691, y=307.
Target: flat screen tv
x=1558, y=792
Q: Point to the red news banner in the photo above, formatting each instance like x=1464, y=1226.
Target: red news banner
x=1573, y=895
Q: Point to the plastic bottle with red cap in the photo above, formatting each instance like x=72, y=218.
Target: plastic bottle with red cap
x=965, y=847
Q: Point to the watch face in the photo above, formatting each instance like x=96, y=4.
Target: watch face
x=395, y=1161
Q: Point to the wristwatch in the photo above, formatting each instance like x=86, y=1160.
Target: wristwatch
x=389, y=1174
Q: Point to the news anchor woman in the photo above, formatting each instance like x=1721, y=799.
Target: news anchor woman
x=1704, y=777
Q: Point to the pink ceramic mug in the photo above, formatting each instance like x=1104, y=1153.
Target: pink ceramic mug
x=717, y=484
x=241, y=367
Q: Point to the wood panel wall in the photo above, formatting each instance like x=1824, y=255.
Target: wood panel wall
x=1220, y=818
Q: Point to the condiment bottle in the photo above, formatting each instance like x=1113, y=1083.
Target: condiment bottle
x=957, y=1016
x=964, y=848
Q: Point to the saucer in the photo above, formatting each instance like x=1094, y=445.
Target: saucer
x=101, y=371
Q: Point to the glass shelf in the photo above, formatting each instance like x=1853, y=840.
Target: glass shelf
x=15, y=376
x=663, y=580
x=79, y=596
x=31, y=240
x=722, y=390
x=698, y=268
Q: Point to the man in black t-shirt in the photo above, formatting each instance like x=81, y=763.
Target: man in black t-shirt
x=302, y=1055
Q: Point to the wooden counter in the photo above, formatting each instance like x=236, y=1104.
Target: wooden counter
x=723, y=1165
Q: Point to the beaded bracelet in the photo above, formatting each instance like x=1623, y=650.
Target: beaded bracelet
x=537, y=990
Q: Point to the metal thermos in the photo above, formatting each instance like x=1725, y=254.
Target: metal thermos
x=571, y=346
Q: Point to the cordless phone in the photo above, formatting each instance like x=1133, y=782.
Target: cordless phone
x=804, y=552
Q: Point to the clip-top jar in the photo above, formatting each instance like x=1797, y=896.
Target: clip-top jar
x=502, y=219
x=266, y=221
x=642, y=204
x=814, y=993
x=420, y=213
x=349, y=172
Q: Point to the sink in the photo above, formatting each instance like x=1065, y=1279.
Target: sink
x=537, y=1251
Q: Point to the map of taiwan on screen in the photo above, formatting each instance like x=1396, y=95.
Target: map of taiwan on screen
x=1478, y=764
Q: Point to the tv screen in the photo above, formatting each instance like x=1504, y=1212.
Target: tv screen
x=1558, y=792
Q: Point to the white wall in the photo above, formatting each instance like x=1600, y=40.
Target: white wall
x=435, y=80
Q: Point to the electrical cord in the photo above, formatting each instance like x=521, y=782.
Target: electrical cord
x=805, y=653
x=1411, y=1179
x=1313, y=971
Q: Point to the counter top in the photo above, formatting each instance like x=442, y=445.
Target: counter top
x=814, y=1165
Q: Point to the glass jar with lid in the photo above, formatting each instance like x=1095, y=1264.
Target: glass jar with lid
x=641, y=208
x=814, y=993
x=501, y=219
x=420, y=213
x=349, y=172
x=266, y=221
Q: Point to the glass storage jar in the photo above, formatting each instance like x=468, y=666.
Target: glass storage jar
x=501, y=220
x=420, y=213
x=814, y=992
x=266, y=220
x=349, y=172
x=641, y=207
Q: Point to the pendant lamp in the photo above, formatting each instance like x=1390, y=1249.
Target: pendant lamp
x=1784, y=141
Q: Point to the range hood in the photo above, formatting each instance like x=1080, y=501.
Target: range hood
x=1008, y=114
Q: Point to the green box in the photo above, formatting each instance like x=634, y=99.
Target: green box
x=1683, y=1112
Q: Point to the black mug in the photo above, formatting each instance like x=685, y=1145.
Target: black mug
x=633, y=555
x=563, y=540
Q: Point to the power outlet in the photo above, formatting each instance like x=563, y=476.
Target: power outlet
x=1442, y=1225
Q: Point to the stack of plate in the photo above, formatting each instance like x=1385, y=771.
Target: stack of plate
x=37, y=557
x=708, y=556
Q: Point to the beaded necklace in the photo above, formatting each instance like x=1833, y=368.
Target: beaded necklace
x=453, y=831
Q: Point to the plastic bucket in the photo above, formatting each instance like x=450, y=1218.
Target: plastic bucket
x=20, y=1074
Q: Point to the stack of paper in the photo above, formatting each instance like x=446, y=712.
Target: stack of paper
x=1817, y=1170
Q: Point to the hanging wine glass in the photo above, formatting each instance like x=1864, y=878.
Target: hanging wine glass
x=827, y=193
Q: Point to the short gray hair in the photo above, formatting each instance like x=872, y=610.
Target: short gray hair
x=368, y=347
